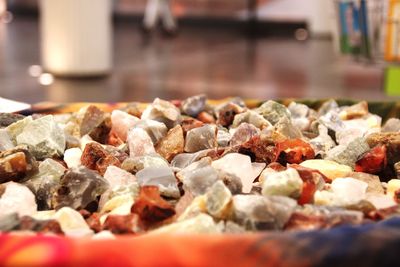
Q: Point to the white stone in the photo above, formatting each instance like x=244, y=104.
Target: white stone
x=241, y=166
x=285, y=183
x=118, y=177
x=72, y=157
x=381, y=201
x=329, y=168
x=140, y=143
x=17, y=198
x=163, y=177
x=392, y=186
x=122, y=122
x=72, y=222
x=200, y=224
x=103, y=235
x=348, y=191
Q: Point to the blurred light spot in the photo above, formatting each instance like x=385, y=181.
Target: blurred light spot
x=46, y=79
x=35, y=70
x=7, y=17
x=301, y=34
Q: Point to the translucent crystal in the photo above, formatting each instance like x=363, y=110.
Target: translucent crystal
x=122, y=122
x=241, y=166
x=162, y=111
x=198, y=176
x=243, y=133
x=44, y=183
x=201, y=138
x=285, y=127
x=348, y=191
x=323, y=142
x=79, y=187
x=183, y=160
x=140, y=143
x=172, y=144
x=118, y=177
x=218, y=202
x=72, y=157
x=200, y=224
x=16, y=198
x=44, y=136
x=155, y=129
x=285, y=183
x=163, y=177
x=391, y=125
x=192, y=106
x=373, y=181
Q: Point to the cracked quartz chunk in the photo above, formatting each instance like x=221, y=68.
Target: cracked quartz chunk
x=140, y=143
x=201, y=138
x=241, y=166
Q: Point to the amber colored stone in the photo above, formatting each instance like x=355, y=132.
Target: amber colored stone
x=93, y=220
x=172, y=144
x=206, y=117
x=150, y=207
x=95, y=157
x=101, y=132
x=113, y=139
x=277, y=166
x=374, y=161
x=189, y=124
x=300, y=221
x=226, y=114
x=294, y=151
x=392, y=142
x=311, y=179
x=40, y=226
x=259, y=149
x=121, y=224
x=15, y=164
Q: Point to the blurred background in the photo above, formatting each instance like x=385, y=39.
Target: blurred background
x=136, y=50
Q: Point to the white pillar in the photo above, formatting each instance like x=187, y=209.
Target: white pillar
x=76, y=37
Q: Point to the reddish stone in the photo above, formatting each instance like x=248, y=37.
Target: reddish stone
x=300, y=221
x=294, y=151
x=277, y=166
x=150, y=207
x=176, y=102
x=121, y=224
x=374, y=161
x=206, y=117
x=95, y=157
x=94, y=222
x=113, y=139
x=189, y=124
x=259, y=149
x=40, y=226
x=311, y=178
x=227, y=113
x=103, y=163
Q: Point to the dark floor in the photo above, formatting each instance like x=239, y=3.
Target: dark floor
x=219, y=62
